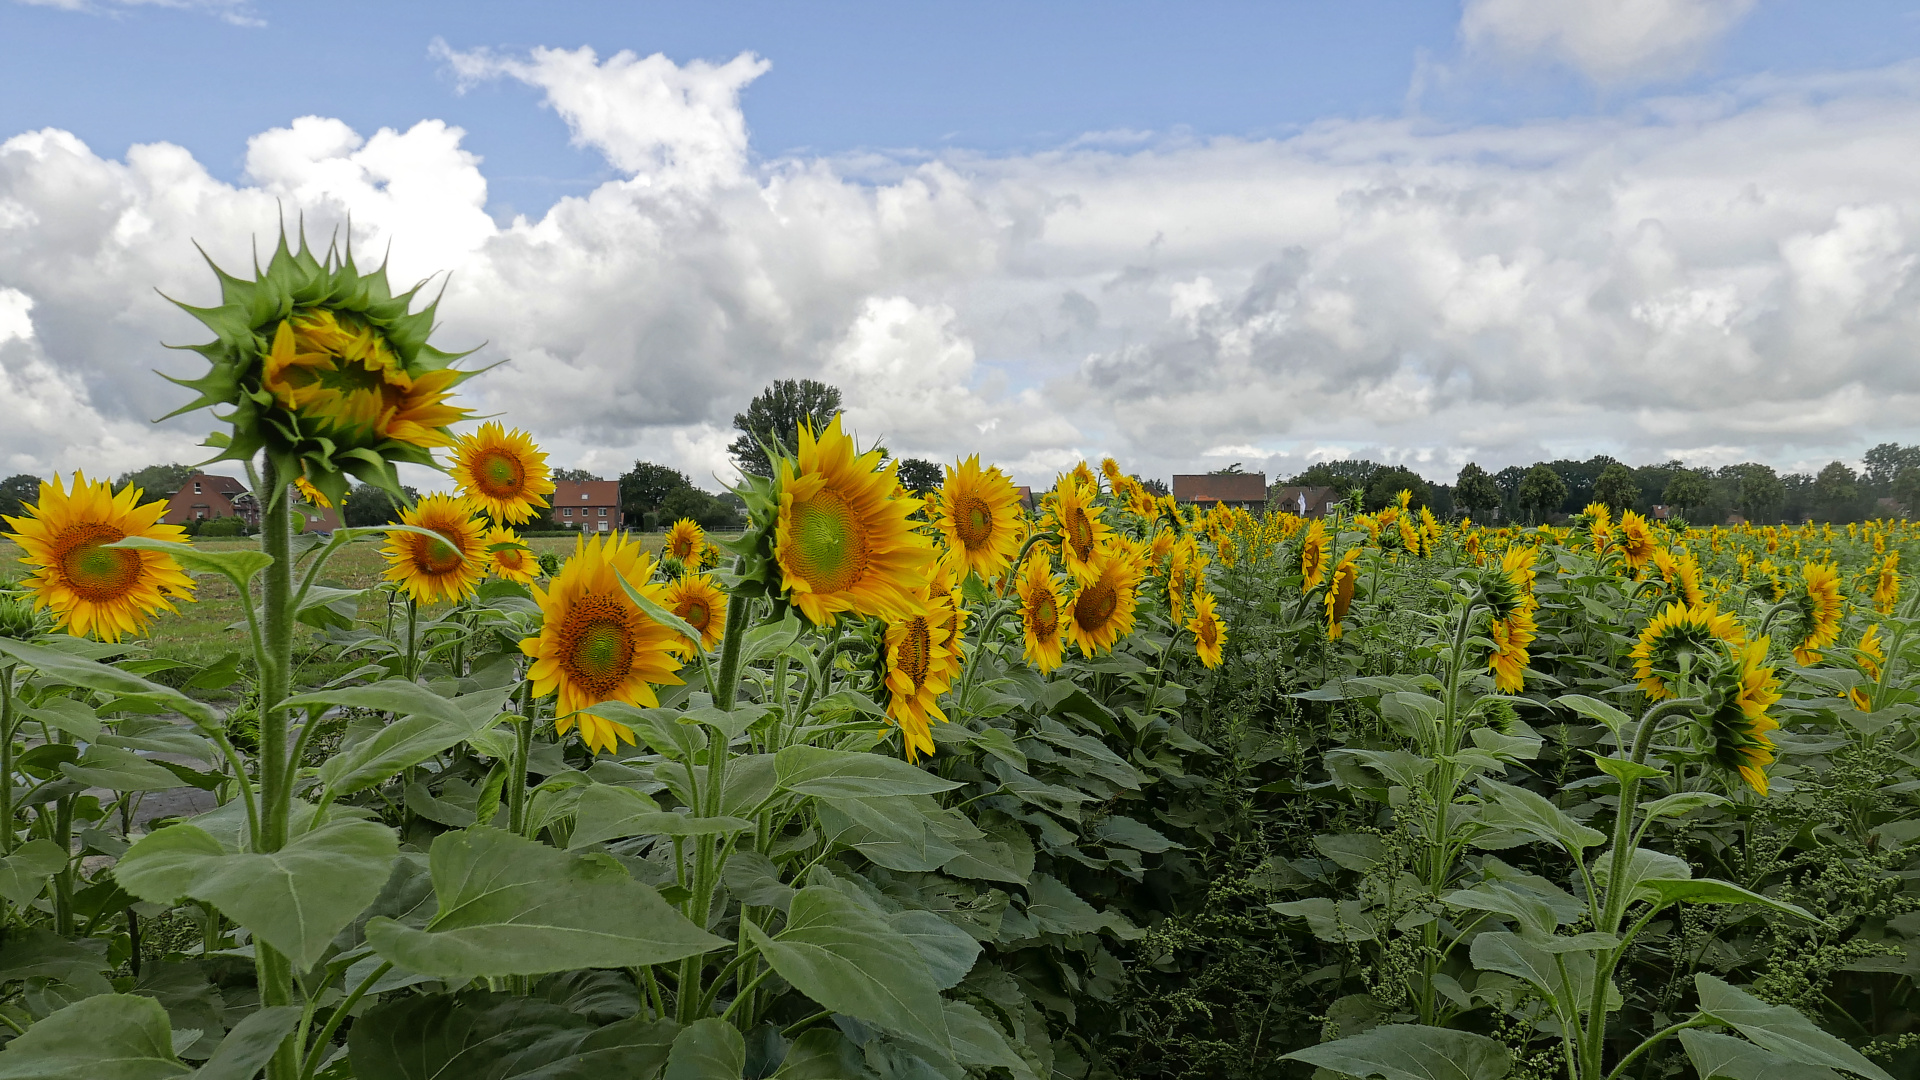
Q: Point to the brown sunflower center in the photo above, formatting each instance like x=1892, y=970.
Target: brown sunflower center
x=1096, y=605
x=499, y=474
x=972, y=521
x=95, y=572
x=830, y=546
x=437, y=555
x=1043, y=616
x=915, y=654
x=682, y=547
x=1079, y=533
x=1209, y=633
x=596, y=645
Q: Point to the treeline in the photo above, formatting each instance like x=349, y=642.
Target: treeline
x=1887, y=486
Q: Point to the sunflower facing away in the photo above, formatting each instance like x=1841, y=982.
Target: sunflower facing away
x=1819, y=619
x=443, y=567
x=595, y=644
x=310, y=494
x=978, y=511
x=919, y=670
x=1509, y=658
x=1680, y=574
x=1078, y=521
x=686, y=541
x=1209, y=632
x=503, y=472
x=509, y=558
x=94, y=589
x=696, y=599
x=1700, y=631
x=1346, y=574
x=1040, y=614
x=340, y=375
x=842, y=540
x=1739, y=725
x=1101, y=612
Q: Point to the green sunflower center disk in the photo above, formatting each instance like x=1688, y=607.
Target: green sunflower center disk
x=830, y=543
x=439, y=556
x=499, y=475
x=95, y=572
x=973, y=521
x=597, y=645
x=696, y=614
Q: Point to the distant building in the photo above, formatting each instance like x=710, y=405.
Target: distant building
x=1026, y=499
x=1242, y=491
x=207, y=497
x=593, y=505
x=1304, y=501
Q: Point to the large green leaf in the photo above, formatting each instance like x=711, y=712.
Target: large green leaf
x=1782, y=1029
x=814, y=770
x=247, y=1048
x=1411, y=1052
x=397, y=696
x=68, y=669
x=500, y=1037
x=948, y=950
x=846, y=957
x=1667, y=891
x=429, y=725
x=107, y=1037
x=25, y=872
x=509, y=906
x=822, y=1053
x=295, y=899
x=709, y=1049
x=976, y=1041
x=1519, y=810
x=1723, y=1057
x=118, y=770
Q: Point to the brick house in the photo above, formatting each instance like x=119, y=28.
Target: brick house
x=593, y=505
x=1242, y=491
x=1305, y=501
x=207, y=497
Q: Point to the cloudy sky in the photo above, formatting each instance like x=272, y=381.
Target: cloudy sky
x=1182, y=234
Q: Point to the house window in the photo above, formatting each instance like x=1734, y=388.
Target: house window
x=196, y=488
x=566, y=512
x=603, y=526
x=603, y=511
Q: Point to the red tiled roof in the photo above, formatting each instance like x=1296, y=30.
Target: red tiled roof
x=1226, y=487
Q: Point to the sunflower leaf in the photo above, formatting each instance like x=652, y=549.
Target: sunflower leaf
x=662, y=616
x=239, y=567
x=63, y=667
x=106, y=1037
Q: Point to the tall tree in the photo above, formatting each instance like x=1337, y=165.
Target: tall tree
x=920, y=476
x=16, y=492
x=705, y=510
x=1388, y=481
x=1836, y=492
x=644, y=487
x=1883, y=464
x=1761, y=494
x=368, y=505
x=1906, y=490
x=775, y=417
x=1616, y=487
x=577, y=476
x=1542, y=491
x=157, y=481
x=1475, y=491
x=1688, y=490
x=1343, y=476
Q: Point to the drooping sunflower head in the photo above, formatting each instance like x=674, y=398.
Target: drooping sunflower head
x=1679, y=574
x=843, y=540
x=327, y=372
x=1316, y=548
x=1509, y=659
x=1162, y=548
x=698, y=601
x=1599, y=524
x=1636, y=540
x=509, y=558
x=978, y=511
x=1886, y=586
x=1102, y=609
x=311, y=495
x=1041, y=618
x=95, y=590
x=1681, y=639
x=1870, y=656
x=1209, y=630
x=1819, y=602
x=502, y=472
x=446, y=566
x=595, y=644
x=686, y=541
x=920, y=666
x=1410, y=538
x=1346, y=577
x=1743, y=689
x=1078, y=519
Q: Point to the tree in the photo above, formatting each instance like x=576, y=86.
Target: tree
x=575, y=476
x=16, y=492
x=1761, y=494
x=368, y=505
x=646, y=486
x=1231, y=470
x=1508, y=480
x=157, y=481
x=706, y=511
x=1906, y=490
x=1688, y=490
x=1342, y=476
x=1474, y=490
x=775, y=417
x=1542, y=491
x=1836, y=492
x=1885, y=462
x=921, y=476
x=1616, y=487
x=1388, y=481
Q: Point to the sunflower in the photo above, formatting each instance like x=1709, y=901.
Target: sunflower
x=843, y=542
x=310, y=494
x=1472, y=546
x=1209, y=632
x=443, y=567
x=503, y=472
x=1429, y=530
x=1101, y=612
x=1819, y=619
x=94, y=589
x=1315, y=550
x=508, y=556
x=1600, y=525
x=1636, y=540
x=1346, y=574
x=943, y=580
x=1161, y=549
x=1078, y=521
x=1698, y=630
x=1083, y=477
x=1040, y=607
x=686, y=541
x=1140, y=500
x=696, y=599
x=1745, y=688
x=1509, y=658
x=338, y=373
x=1886, y=588
x=595, y=644
x=919, y=669
x=1409, y=536
x=1869, y=655
x=979, y=514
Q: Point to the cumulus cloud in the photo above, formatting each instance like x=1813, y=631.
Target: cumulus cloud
x=1723, y=277
x=1609, y=41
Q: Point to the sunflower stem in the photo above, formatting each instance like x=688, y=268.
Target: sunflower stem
x=728, y=683
x=276, y=766
x=6, y=760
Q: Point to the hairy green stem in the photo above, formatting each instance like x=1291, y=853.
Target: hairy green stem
x=6, y=760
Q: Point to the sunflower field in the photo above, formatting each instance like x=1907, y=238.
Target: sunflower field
x=905, y=787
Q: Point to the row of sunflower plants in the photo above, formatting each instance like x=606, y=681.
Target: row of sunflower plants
x=871, y=799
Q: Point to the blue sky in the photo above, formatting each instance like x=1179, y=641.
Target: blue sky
x=1183, y=234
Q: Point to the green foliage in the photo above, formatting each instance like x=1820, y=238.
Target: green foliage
x=774, y=417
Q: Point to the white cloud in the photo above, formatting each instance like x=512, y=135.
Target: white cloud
x=1609, y=41
x=237, y=12
x=1730, y=275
